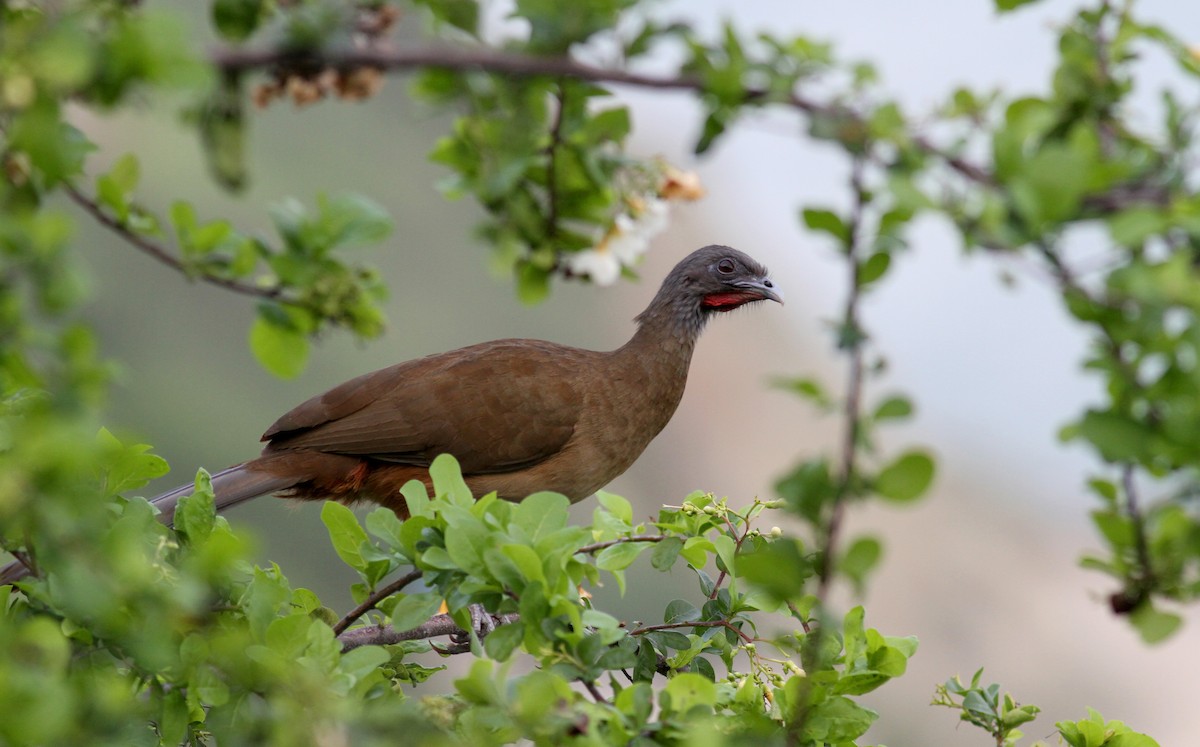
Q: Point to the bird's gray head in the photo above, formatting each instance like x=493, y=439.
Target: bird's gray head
x=712, y=279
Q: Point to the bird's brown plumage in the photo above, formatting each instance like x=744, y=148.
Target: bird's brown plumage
x=519, y=415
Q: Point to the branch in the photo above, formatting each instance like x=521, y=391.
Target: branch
x=161, y=254
x=851, y=410
x=438, y=625
x=694, y=624
x=375, y=598
x=235, y=61
x=597, y=547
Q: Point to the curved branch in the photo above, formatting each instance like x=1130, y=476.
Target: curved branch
x=438, y=625
x=236, y=61
x=161, y=254
x=375, y=598
x=598, y=546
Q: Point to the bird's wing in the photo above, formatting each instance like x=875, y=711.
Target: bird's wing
x=496, y=407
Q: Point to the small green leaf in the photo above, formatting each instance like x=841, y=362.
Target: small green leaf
x=448, y=480
x=875, y=267
x=502, y=641
x=826, y=221
x=1154, y=625
x=665, y=553
x=345, y=533
x=1006, y=5
x=414, y=609
x=280, y=349
x=907, y=478
x=620, y=556
x=616, y=505
x=238, y=19
x=893, y=408
x=686, y=690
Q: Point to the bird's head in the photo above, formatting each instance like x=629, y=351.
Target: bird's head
x=712, y=279
x=724, y=279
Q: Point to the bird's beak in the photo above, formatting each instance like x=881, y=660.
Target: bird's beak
x=765, y=288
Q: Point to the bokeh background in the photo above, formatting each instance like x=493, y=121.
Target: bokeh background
x=984, y=571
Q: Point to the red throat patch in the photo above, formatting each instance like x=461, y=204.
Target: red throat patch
x=728, y=301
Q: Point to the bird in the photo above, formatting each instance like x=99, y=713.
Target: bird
x=519, y=415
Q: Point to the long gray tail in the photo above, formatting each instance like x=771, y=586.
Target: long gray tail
x=230, y=487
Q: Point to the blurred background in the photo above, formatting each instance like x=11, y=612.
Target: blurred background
x=984, y=571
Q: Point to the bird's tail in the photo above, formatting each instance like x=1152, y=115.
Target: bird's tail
x=230, y=487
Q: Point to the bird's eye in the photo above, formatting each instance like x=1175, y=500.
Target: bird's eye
x=725, y=266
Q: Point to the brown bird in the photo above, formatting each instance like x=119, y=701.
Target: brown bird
x=519, y=415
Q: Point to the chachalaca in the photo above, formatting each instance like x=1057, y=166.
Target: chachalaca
x=519, y=415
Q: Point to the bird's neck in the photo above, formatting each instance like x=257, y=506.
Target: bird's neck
x=667, y=333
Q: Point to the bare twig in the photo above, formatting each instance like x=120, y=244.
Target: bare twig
x=375, y=598
x=598, y=546
x=509, y=63
x=382, y=635
x=694, y=624
x=161, y=254
x=851, y=409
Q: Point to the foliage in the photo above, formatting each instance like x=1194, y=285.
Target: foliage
x=129, y=632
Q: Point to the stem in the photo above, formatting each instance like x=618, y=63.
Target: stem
x=375, y=598
x=598, y=546
x=694, y=624
x=161, y=254
x=382, y=635
x=851, y=409
x=234, y=61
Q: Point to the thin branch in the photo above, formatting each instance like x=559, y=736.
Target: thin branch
x=438, y=625
x=851, y=410
x=552, y=164
x=375, y=598
x=464, y=59
x=598, y=546
x=594, y=691
x=694, y=624
x=1133, y=510
x=161, y=254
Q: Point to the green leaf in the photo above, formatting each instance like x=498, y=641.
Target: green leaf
x=280, y=349
x=414, y=609
x=875, y=267
x=620, y=556
x=616, y=505
x=345, y=533
x=238, y=19
x=1154, y=625
x=666, y=553
x=907, y=478
x=685, y=691
x=862, y=555
x=1007, y=5
x=448, y=480
x=826, y=221
x=1117, y=437
x=893, y=408
x=502, y=641
x=779, y=568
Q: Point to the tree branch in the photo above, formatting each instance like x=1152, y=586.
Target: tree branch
x=597, y=547
x=375, y=598
x=694, y=624
x=438, y=625
x=161, y=254
x=851, y=409
x=236, y=61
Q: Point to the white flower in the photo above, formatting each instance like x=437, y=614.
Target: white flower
x=599, y=264
x=626, y=241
